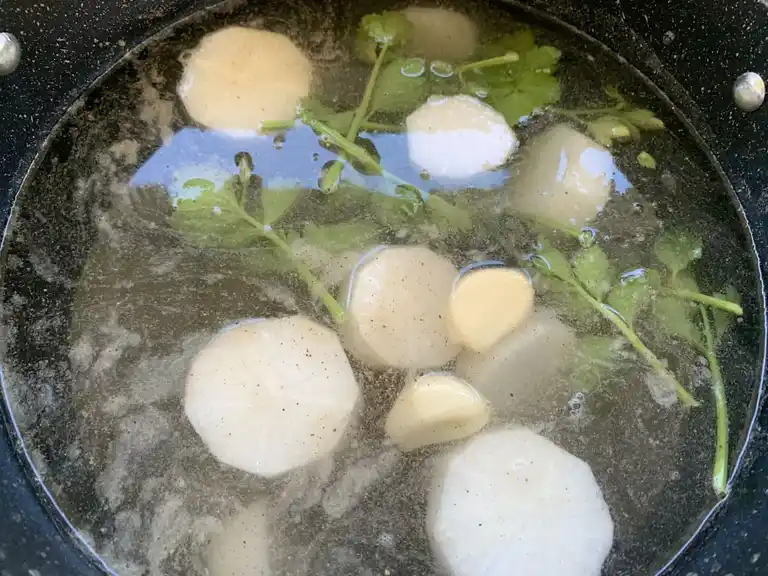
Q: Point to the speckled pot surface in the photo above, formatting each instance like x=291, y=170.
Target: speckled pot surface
x=692, y=50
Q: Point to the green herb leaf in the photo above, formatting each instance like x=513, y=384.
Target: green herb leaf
x=276, y=202
x=264, y=260
x=213, y=217
x=541, y=59
x=593, y=269
x=336, y=238
x=595, y=359
x=396, y=92
x=646, y=160
x=446, y=216
x=532, y=90
x=684, y=281
x=606, y=129
x=566, y=301
x=549, y=260
x=723, y=319
x=676, y=317
x=629, y=298
x=375, y=30
x=643, y=119
x=677, y=249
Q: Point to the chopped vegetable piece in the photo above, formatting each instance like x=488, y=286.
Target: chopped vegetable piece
x=488, y=304
x=441, y=34
x=242, y=547
x=433, y=409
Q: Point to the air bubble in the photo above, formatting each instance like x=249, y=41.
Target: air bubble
x=442, y=69
x=216, y=210
x=637, y=275
x=587, y=236
x=278, y=141
x=413, y=67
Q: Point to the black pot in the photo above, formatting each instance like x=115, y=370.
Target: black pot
x=693, y=51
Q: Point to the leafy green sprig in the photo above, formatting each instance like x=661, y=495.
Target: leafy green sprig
x=698, y=326
x=590, y=276
x=616, y=122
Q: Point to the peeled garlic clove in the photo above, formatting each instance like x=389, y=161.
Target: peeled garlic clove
x=488, y=304
x=440, y=34
x=433, y=409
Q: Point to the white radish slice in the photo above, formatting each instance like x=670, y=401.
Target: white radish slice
x=487, y=304
x=433, y=409
x=565, y=177
x=520, y=375
x=272, y=395
x=458, y=137
x=396, y=309
x=512, y=502
x=237, y=78
x=441, y=34
x=242, y=547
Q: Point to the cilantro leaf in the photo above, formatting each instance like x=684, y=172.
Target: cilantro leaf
x=608, y=128
x=532, y=90
x=595, y=358
x=676, y=317
x=593, y=269
x=385, y=29
x=643, y=119
x=398, y=92
x=629, y=298
x=551, y=261
x=275, y=202
x=677, y=249
x=336, y=238
x=446, y=216
x=213, y=217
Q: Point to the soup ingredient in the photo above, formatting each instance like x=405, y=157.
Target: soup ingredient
x=397, y=301
x=617, y=122
x=677, y=250
x=376, y=34
x=242, y=546
x=440, y=34
x=565, y=178
x=519, y=375
x=433, y=409
x=271, y=395
x=512, y=498
x=223, y=218
x=458, y=137
x=588, y=277
x=519, y=87
x=489, y=303
x=238, y=78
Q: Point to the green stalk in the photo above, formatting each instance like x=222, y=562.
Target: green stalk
x=331, y=177
x=316, y=287
x=277, y=125
x=347, y=146
x=720, y=468
x=378, y=127
x=508, y=58
x=712, y=301
x=685, y=397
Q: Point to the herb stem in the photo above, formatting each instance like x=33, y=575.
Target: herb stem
x=720, y=468
x=507, y=58
x=685, y=397
x=712, y=301
x=331, y=178
x=276, y=125
x=315, y=285
x=347, y=146
x=378, y=127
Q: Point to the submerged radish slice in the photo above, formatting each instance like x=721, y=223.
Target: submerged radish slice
x=242, y=547
x=441, y=34
x=458, y=137
x=565, y=177
x=271, y=395
x=512, y=502
x=488, y=304
x=433, y=409
x=520, y=375
x=237, y=78
x=396, y=309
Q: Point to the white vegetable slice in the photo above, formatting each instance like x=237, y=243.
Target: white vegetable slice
x=242, y=547
x=396, y=309
x=441, y=34
x=458, y=137
x=487, y=304
x=433, y=409
x=271, y=395
x=239, y=77
x=512, y=502
x=565, y=177
x=519, y=375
